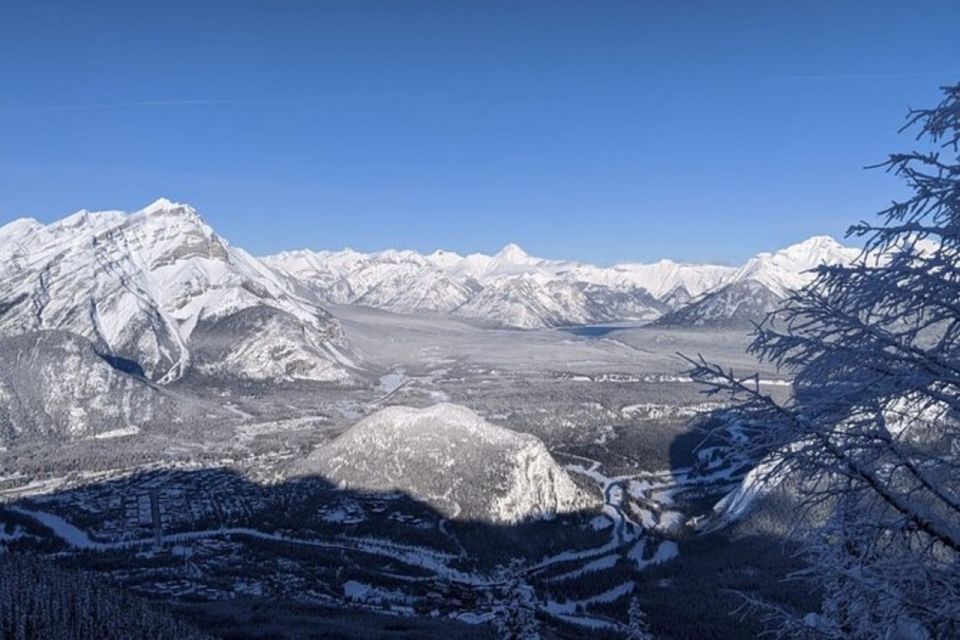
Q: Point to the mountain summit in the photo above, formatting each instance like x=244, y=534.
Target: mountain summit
x=790, y=268
x=758, y=287
x=512, y=253
x=159, y=287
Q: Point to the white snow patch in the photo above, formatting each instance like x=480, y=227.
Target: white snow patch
x=118, y=433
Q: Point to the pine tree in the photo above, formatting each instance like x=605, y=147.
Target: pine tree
x=517, y=619
x=40, y=601
x=637, y=626
x=871, y=435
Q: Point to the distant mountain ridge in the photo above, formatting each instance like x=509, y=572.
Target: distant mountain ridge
x=161, y=288
x=514, y=289
x=756, y=288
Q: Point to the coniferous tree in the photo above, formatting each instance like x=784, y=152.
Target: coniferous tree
x=870, y=439
x=517, y=619
x=637, y=626
x=39, y=601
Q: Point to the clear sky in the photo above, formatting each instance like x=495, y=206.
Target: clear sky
x=597, y=130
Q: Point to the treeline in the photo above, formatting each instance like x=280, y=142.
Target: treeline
x=39, y=601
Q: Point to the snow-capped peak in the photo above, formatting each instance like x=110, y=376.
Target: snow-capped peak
x=512, y=253
x=163, y=204
x=17, y=228
x=163, y=212
x=513, y=288
x=444, y=259
x=815, y=248
x=147, y=285
x=791, y=267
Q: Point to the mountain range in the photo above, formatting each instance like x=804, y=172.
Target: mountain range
x=165, y=388
x=514, y=289
x=159, y=294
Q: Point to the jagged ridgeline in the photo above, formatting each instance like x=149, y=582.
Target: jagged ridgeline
x=514, y=289
x=158, y=293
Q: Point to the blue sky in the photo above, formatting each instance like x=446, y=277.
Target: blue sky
x=604, y=131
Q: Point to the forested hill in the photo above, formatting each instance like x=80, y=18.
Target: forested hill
x=39, y=601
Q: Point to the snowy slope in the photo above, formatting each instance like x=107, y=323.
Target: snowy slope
x=510, y=288
x=790, y=268
x=735, y=305
x=53, y=385
x=514, y=289
x=526, y=302
x=449, y=457
x=757, y=288
x=147, y=286
x=677, y=297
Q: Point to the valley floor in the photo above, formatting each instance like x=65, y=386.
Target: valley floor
x=220, y=526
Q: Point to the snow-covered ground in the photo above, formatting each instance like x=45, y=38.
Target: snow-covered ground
x=586, y=400
x=118, y=433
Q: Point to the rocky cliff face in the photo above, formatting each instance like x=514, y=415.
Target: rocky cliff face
x=737, y=305
x=54, y=385
x=149, y=286
x=452, y=459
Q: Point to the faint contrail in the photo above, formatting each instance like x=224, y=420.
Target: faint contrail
x=872, y=76
x=146, y=104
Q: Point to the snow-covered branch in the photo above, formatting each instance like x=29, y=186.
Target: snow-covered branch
x=871, y=433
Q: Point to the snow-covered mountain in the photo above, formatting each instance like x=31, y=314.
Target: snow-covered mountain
x=513, y=289
x=659, y=278
x=756, y=288
x=452, y=459
x=510, y=288
x=53, y=385
x=737, y=304
x=160, y=289
x=790, y=268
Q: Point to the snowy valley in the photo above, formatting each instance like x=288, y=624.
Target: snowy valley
x=368, y=437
